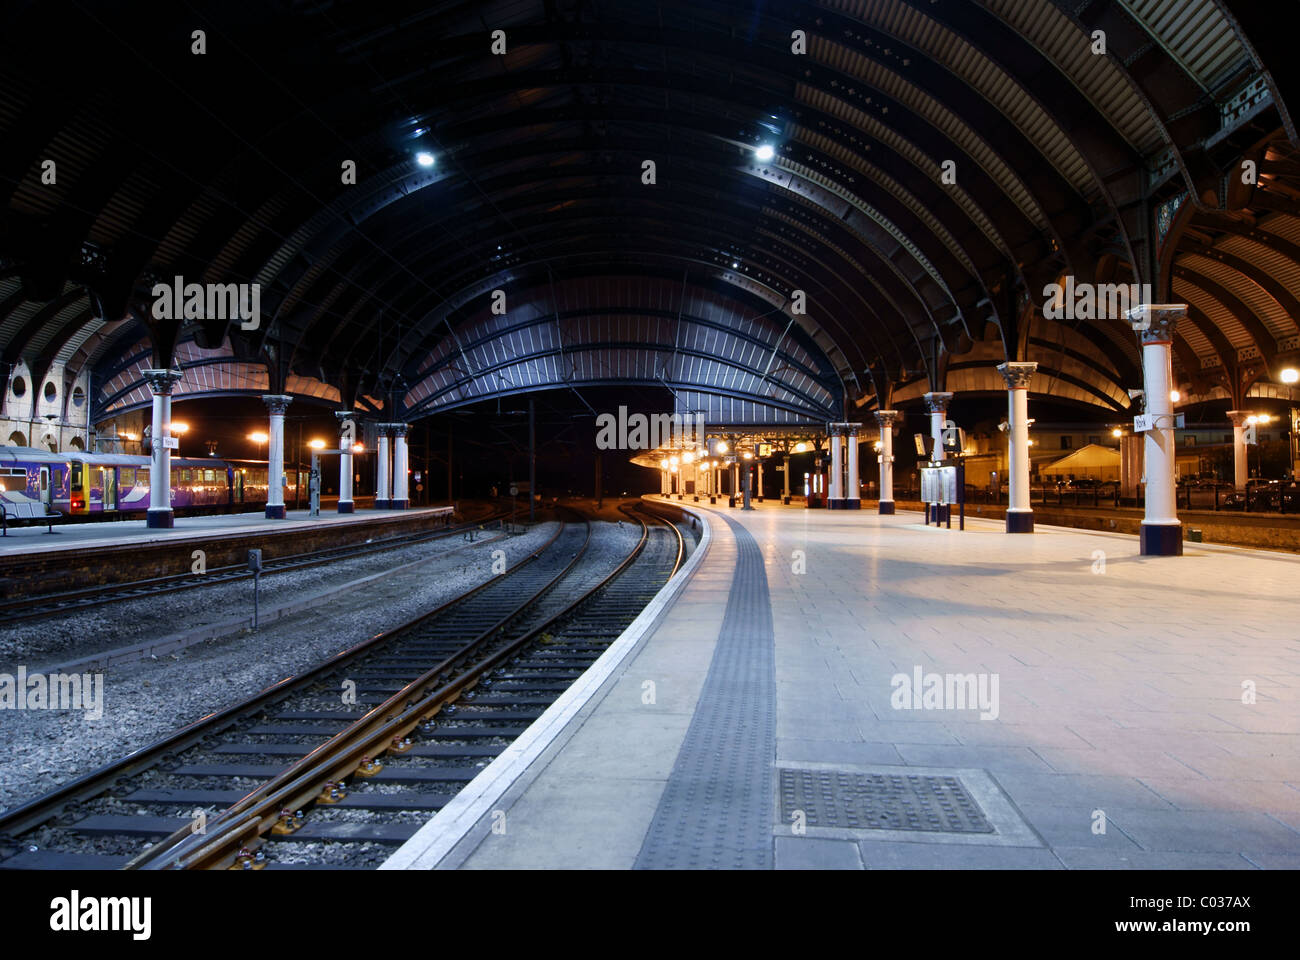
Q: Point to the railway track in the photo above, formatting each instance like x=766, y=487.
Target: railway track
x=296, y=768
x=24, y=608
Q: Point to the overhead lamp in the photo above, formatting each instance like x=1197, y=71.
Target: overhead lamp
x=688, y=458
x=358, y=448
x=735, y=264
x=765, y=152
x=1290, y=375
x=316, y=444
x=748, y=455
x=1252, y=419
x=1265, y=418
x=1117, y=432
x=424, y=158
x=722, y=446
x=1174, y=396
x=257, y=436
x=800, y=447
x=179, y=426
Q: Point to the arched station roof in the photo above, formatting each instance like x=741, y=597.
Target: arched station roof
x=936, y=165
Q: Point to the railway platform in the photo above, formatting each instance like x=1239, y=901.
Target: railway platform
x=827, y=689
x=78, y=555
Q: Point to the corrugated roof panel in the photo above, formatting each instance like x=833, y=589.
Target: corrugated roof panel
x=1196, y=34
x=1263, y=306
x=935, y=113
x=1214, y=311
x=1099, y=79
x=981, y=74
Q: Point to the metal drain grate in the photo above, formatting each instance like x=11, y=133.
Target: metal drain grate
x=873, y=801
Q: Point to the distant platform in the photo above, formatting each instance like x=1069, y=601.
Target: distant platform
x=126, y=533
x=840, y=689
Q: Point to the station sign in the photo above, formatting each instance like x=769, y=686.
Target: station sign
x=171, y=443
x=764, y=449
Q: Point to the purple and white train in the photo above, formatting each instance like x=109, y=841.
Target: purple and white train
x=77, y=483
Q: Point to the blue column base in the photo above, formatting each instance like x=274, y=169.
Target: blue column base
x=887, y=507
x=398, y=504
x=851, y=504
x=346, y=506
x=786, y=501
x=1162, y=540
x=713, y=499
x=1020, y=521
x=160, y=519
x=275, y=512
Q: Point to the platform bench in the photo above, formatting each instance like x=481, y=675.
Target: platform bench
x=31, y=512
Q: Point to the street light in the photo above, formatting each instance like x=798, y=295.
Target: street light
x=316, y=444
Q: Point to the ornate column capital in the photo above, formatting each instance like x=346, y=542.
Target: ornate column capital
x=852, y=428
x=1156, y=321
x=161, y=382
x=277, y=403
x=835, y=429
x=1238, y=417
x=887, y=418
x=399, y=429
x=1017, y=375
x=342, y=415
x=937, y=402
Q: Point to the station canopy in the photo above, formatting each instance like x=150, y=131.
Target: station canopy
x=783, y=213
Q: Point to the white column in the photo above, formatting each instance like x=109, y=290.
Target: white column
x=785, y=481
x=401, y=478
x=276, y=404
x=835, y=494
x=758, y=468
x=886, y=419
x=938, y=406
x=735, y=479
x=161, y=384
x=346, y=438
x=853, y=495
x=1020, y=515
x=1162, y=533
x=1240, y=463
x=383, y=471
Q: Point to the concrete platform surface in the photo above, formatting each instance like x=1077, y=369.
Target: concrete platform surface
x=1137, y=712
x=111, y=533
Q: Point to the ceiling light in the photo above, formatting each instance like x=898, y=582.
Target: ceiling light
x=1290, y=375
x=765, y=152
x=424, y=158
x=1175, y=396
x=735, y=264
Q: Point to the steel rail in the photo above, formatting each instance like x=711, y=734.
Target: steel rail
x=40, y=809
x=340, y=757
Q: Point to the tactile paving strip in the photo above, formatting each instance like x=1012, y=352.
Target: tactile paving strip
x=873, y=801
x=715, y=812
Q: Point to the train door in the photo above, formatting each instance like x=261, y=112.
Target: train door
x=108, y=484
x=239, y=486
x=45, y=487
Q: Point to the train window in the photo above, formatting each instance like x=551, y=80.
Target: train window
x=128, y=476
x=208, y=476
x=185, y=476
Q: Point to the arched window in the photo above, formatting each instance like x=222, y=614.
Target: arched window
x=76, y=444
x=17, y=439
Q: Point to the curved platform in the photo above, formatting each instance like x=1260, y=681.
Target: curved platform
x=849, y=690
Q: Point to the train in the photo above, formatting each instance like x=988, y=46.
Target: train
x=117, y=485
